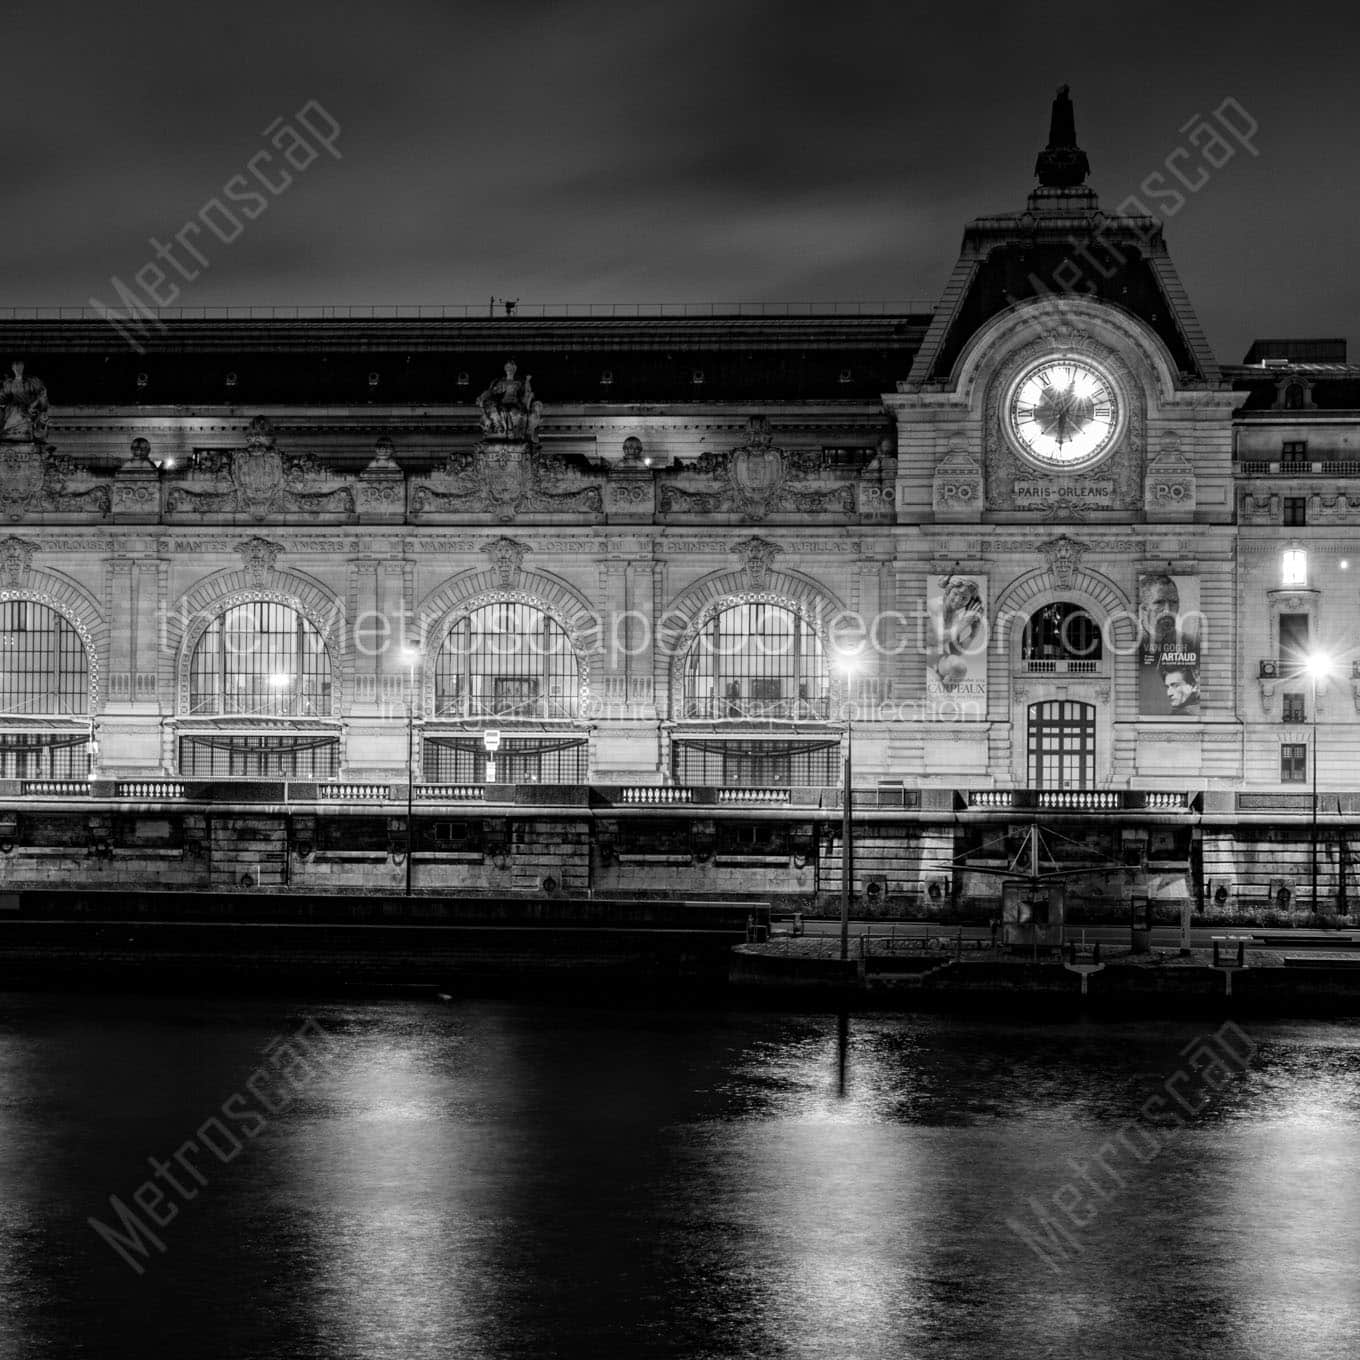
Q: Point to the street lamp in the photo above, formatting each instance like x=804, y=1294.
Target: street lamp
x=410, y=658
x=1319, y=667
x=848, y=664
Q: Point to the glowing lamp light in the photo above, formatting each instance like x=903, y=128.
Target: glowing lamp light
x=1319, y=666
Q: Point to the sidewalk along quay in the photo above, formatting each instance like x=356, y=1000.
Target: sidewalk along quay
x=917, y=965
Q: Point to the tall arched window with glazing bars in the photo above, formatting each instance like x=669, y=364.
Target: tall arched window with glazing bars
x=505, y=661
x=756, y=660
x=44, y=675
x=259, y=662
x=263, y=659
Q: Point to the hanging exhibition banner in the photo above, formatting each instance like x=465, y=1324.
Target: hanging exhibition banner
x=956, y=650
x=1169, y=633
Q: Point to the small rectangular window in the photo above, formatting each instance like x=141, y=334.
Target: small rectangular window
x=1294, y=451
x=1293, y=708
x=1295, y=510
x=1293, y=763
x=1294, y=567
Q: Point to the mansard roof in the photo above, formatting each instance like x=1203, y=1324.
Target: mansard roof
x=328, y=361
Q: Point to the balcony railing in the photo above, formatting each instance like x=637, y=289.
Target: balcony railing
x=1288, y=467
x=1080, y=800
x=778, y=710
x=1068, y=666
x=61, y=788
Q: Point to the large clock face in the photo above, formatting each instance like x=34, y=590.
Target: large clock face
x=1063, y=413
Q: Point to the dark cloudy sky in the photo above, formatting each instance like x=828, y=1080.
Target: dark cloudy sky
x=689, y=151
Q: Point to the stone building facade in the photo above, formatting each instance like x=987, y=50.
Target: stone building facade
x=580, y=592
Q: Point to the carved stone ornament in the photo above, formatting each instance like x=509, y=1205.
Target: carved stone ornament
x=1063, y=556
x=1169, y=483
x=508, y=407
x=507, y=474
x=258, y=556
x=34, y=479
x=259, y=481
x=507, y=560
x=632, y=449
x=141, y=450
x=23, y=407
x=757, y=557
x=16, y=556
x=752, y=481
x=957, y=485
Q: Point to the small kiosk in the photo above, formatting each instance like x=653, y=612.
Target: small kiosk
x=1032, y=914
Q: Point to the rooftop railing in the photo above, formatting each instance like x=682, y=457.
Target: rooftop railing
x=476, y=310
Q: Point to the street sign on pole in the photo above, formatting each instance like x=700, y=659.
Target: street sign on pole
x=491, y=739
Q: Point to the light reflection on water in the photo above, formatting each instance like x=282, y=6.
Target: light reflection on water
x=498, y=1180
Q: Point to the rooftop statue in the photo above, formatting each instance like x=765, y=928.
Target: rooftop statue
x=509, y=408
x=1062, y=164
x=24, y=404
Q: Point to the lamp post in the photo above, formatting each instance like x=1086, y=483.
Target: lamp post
x=848, y=666
x=411, y=657
x=1319, y=667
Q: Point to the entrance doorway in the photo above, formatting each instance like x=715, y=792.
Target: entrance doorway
x=1062, y=745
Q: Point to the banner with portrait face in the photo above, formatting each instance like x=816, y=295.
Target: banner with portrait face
x=956, y=647
x=1170, y=626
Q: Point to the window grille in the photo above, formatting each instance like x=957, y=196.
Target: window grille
x=756, y=764
x=228, y=756
x=757, y=661
x=519, y=760
x=44, y=755
x=43, y=668
x=1293, y=708
x=1293, y=762
x=260, y=658
x=507, y=660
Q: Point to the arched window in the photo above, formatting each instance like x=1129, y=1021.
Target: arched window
x=1061, y=638
x=262, y=659
x=507, y=660
x=44, y=678
x=43, y=667
x=756, y=660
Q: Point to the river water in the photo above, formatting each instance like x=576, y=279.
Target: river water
x=492, y=1179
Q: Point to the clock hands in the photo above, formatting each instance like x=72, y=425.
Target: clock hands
x=1063, y=412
